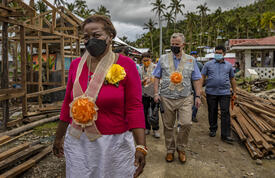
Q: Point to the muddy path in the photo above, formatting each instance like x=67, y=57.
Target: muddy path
x=206, y=157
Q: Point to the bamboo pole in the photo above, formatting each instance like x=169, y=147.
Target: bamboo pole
x=5, y=68
x=47, y=62
x=23, y=70
x=40, y=69
x=62, y=61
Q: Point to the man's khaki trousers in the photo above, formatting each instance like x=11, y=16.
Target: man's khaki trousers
x=181, y=109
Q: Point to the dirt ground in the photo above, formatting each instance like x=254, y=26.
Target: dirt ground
x=206, y=158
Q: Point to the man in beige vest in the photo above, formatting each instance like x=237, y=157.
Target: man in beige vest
x=176, y=70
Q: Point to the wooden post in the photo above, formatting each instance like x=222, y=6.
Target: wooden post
x=47, y=62
x=31, y=69
x=53, y=21
x=15, y=70
x=23, y=70
x=5, y=68
x=62, y=61
x=40, y=69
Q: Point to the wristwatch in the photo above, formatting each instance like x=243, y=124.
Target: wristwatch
x=198, y=96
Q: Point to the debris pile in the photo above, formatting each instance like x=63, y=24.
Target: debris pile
x=253, y=119
x=17, y=159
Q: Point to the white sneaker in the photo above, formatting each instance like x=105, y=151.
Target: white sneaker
x=156, y=133
x=147, y=132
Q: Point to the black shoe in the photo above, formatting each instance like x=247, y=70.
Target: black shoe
x=194, y=119
x=212, y=134
x=229, y=140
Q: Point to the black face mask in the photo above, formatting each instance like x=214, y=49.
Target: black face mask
x=175, y=49
x=96, y=47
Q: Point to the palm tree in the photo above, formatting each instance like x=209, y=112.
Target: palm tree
x=169, y=18
x=150, y=26
x=267, y=21
x=202, y=10
x=59, y=2
x=84, y=12
x=71, y=6
x=101, y=10
x=176, y=7
x=41, y=7
x=159, y=7
x=80, y=4
x=191, y=23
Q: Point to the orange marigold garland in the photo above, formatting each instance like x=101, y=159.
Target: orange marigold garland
x=83, y=110
x=176, y=77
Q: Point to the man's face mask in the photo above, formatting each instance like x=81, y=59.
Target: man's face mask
x=175, y=49
x=218, y=57
x=146, y=63
x=96, y=47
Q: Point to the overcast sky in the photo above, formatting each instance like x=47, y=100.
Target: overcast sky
x=129, y=16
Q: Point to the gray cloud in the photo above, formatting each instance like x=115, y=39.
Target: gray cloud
x=130, y=15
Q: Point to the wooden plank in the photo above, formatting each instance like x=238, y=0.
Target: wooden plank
x=29, y=126
x=40, y=70
x=7, y=8
x=62, y=61
x=252, y=117
x=258, y=110
x=70, y=14
x=15, y=61
x=238, y=130
x=47, y=63
x=15, y=138
x=53, y=21
x=68, y=19
x=251, y=149
x=256, y=136
x=31, y=95
x=64, y=28
x=255, y=132
x=35, y=37
x=10, y=90
x=23, y=70
x=268, y=119
x=5, y=69
x=26, y=165
x=4, y=138
x=31, y=68
x=13, y=151
x=47, y=22
x=14, y=122
x=71, y=56
x=36, y=28
x=35, y=118
x=22, y=155
x=11, y=96
x=45, y=41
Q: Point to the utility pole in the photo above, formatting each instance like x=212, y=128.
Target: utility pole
x=160, y=37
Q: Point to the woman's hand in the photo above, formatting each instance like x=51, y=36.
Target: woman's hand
x=139, y=163
x=58, y=149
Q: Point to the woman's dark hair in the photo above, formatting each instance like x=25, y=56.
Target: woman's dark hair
x=146, y=54
x=220, y=48
x=108, y=25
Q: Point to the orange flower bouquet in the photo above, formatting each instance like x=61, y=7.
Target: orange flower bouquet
x=176, y=77
x=83, y=110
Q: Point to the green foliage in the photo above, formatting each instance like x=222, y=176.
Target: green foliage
x=210, y=29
